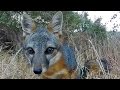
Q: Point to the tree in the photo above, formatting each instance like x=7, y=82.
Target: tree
x=73, y=22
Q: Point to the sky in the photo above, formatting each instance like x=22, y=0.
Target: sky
x=106, y=17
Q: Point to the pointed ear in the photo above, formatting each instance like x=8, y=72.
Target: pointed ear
x=28, y=25
x=56, y=25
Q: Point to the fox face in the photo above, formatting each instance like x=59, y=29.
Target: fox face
x=42, y=45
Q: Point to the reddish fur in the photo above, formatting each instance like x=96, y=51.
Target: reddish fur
x=57, y=67
x=49, y=27
x=33, y=27
x=60, y=65
x=94, y=68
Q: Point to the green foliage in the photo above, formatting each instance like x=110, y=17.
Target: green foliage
x=95, y=29
x=72, y=21
x=6, y=19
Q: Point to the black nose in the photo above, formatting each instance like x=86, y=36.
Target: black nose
x=38, y=71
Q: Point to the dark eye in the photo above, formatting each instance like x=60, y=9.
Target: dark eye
x=30, y=50
x=49, y=50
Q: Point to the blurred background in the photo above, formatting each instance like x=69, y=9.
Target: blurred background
x=94, y=34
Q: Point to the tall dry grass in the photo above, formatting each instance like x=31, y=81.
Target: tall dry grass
x=17, y=67
x=90, y=50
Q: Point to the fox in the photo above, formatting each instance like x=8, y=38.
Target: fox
x=92, y=67
x=47, y=49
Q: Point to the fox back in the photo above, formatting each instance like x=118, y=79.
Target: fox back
x=47, y=51
x=93, y=67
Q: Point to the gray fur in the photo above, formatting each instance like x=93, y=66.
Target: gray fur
x=41, y=39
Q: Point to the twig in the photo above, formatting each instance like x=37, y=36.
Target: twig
x=98, y=58
x=11, y=61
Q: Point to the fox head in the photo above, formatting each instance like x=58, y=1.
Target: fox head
x=42, y=45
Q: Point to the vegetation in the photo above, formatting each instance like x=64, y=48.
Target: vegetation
x=82, y=31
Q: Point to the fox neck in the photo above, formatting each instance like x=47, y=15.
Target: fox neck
x=56, y=58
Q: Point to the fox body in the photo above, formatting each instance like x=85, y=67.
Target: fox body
x=93, y=68
x=47, y=51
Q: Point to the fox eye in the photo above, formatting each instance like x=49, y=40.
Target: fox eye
x=30, y=50
x=49, y=50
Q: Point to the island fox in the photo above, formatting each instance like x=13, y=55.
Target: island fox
x=47, y=50
x=92, y=67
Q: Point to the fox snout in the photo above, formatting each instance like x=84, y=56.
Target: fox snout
x=37, y=71
x=39, y=67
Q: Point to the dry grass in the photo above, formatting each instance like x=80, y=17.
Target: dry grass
x=12, y=67
x=89, y=50
x=17, y=68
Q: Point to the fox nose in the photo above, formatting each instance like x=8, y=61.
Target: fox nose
x=38, y=71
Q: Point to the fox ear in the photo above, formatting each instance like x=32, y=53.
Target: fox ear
x=56, y=25
x=28, y=25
